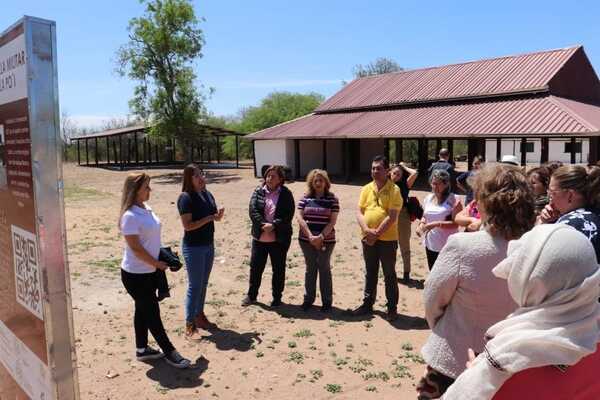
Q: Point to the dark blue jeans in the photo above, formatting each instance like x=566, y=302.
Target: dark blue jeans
x=198, y=263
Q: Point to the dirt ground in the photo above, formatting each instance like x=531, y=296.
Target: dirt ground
x=257, y=352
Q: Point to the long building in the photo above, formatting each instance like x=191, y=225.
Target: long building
x=538, y=106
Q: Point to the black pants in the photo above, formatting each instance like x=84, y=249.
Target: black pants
x=142, y=287
x=383, y=252
x=431, y=257
x=258, y=260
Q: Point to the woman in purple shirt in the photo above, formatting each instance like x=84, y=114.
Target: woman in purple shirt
x=317, y=215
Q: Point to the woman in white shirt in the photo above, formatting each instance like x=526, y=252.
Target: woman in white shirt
x=439, y=210
x=141, y=229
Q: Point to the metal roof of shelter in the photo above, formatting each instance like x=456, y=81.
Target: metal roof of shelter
x=548, y=93
x=211, y=130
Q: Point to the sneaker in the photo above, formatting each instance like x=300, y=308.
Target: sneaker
x=176, y=360
x=392, y=314
x=276, y=303
x=247, y=301
x=306, y=306
x=148, y=354
x=363, y=309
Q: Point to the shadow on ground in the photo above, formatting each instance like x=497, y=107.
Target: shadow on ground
x=403, y=322
x=226, y=339
x=169, y=377
x=216, y=177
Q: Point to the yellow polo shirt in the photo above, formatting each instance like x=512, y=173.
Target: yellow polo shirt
x=377, y=205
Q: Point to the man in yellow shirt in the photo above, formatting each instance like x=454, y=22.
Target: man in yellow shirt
x=378, y=207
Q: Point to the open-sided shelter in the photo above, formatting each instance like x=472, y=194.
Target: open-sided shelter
x=538, y=106
x=133, y=146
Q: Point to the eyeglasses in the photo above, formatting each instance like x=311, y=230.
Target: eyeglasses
x=200, y=175
x=553, y=192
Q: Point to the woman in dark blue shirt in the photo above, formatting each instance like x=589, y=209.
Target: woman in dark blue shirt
x=198, y=211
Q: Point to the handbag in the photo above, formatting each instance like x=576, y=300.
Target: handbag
x=414, y=208
x=170, y=258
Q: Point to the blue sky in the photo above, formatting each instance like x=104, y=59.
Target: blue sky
x=256, y=47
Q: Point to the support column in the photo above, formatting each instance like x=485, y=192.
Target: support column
x=78, y=153
x=237, y=151
x=96, y=151
x=398, y=150
x=218, y=150
x=114, y=148
x=573, y=153
x=297, y=158
x=145, y=144
x=87, y=156
x=107, y=150
x=523, y=151
x=451, y=150
x=253, y=158
x=121, y=152
x=544, y=150
x=135, y=143
x=346, y=159
x=498, y=149
x=324, y=154
x=156, y=153
x=386, y=148
x=423, y=156
x=594, y=155
x=438, y=147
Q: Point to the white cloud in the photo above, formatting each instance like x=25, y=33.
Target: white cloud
x=290, y=83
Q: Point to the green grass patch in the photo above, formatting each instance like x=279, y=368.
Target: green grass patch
x=78, y=193
x=108, y=263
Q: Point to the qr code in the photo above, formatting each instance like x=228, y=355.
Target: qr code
x=27, y=271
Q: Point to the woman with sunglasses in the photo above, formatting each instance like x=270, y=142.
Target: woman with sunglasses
x=574, y=195
x=198, y=211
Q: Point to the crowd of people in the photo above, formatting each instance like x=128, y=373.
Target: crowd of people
x=512, y=292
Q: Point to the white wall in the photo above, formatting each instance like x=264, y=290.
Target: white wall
x=369, y=148
x=556, y=148
x=271, y=152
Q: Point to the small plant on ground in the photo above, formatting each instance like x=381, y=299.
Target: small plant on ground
x=296, y=356
x=333, y=388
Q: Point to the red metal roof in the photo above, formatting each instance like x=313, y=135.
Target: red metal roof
x=543, y=116
x=493, y=77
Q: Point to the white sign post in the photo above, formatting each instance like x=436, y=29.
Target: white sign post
x=37, y=356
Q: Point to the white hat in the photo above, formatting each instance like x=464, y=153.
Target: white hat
x=510, y=159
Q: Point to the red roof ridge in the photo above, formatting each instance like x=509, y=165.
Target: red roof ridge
x=406, y=70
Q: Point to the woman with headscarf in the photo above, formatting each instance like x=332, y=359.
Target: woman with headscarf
x=547, y=348
x=462, y=297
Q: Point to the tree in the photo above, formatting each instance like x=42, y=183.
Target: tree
x=162, y=47
x=380, y=66
x=274, y=109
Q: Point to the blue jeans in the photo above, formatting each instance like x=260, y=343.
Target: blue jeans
x=198, y=263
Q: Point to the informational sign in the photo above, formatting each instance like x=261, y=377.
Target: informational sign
x=37, y=359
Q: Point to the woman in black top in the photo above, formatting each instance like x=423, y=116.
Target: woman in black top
x=271, y=211
x=404, y=178
x=198, y=211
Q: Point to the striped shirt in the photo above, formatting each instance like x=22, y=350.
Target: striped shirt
x=317, y=214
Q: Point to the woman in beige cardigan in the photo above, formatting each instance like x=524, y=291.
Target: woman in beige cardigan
x=462, y=297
